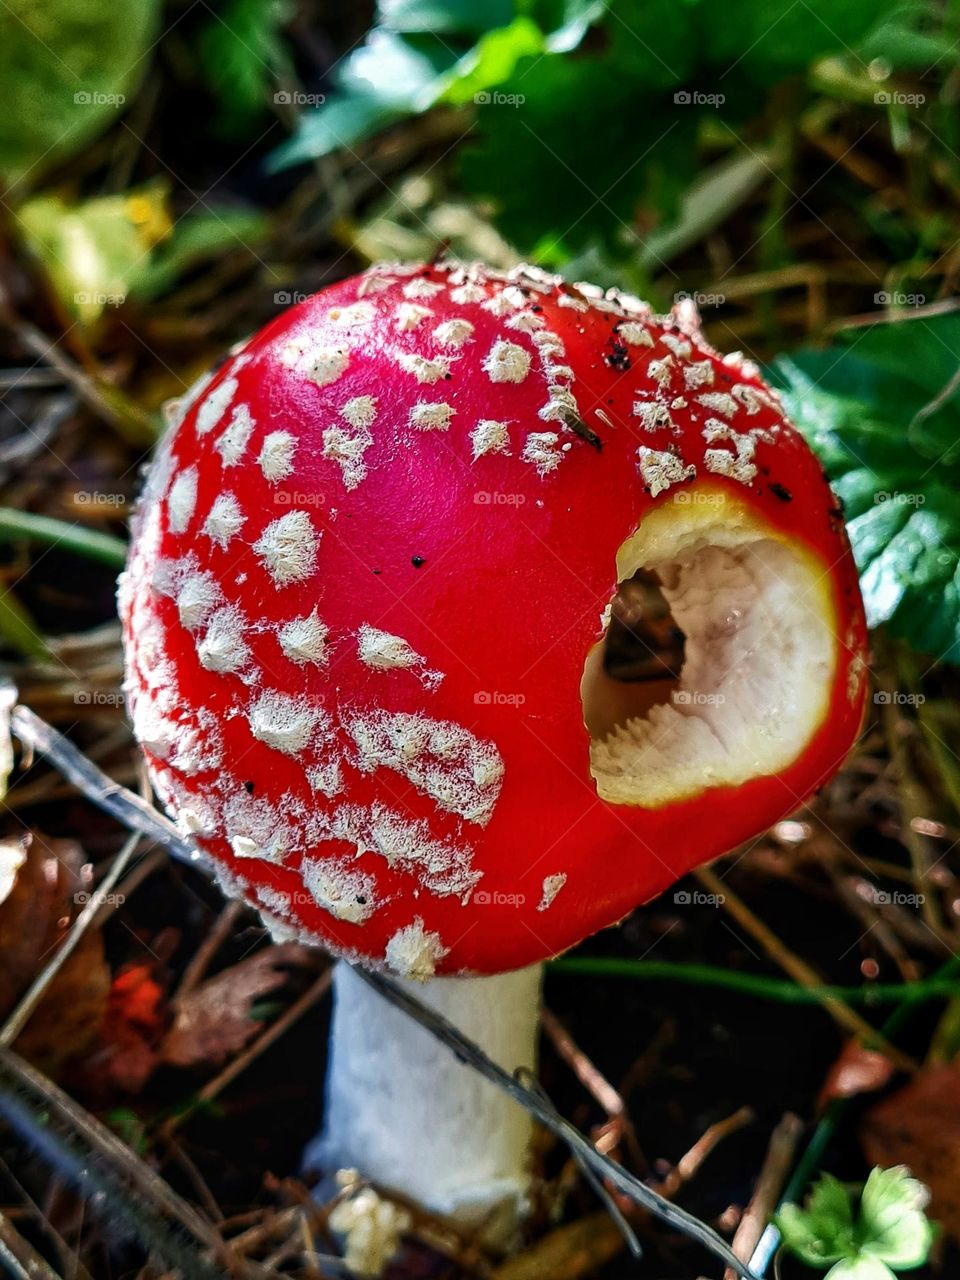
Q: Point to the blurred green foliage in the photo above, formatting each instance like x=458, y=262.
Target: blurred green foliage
x=66, y=67
x=241, y=54
x=100, y=252
x=613, y=95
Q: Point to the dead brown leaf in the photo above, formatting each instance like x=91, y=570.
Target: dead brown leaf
x=919, y=1126
x=855, y=1070
x=213, y=1021
x=46, y=894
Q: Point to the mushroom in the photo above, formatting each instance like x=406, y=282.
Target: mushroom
x=465, y=612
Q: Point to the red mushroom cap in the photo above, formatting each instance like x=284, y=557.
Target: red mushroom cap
x=374, y=557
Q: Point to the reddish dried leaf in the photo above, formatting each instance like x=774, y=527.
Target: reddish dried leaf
x=214, y=1020
x=136, y=998
x=855, y=1070
x=128, y=1045
x=919, y=1126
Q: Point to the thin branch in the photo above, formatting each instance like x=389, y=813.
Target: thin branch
x=798, y=968
x=110, y=1176
x=200, y=962
x=576, y=1249
x=581, y=1147
x=18, y=1258
x=103, y=399
x=98, y=786
x=689, y=1164
x=912, y=806
x=589, y=1075
x=773, y=1174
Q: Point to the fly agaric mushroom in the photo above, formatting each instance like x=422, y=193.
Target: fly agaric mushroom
x=385, y=680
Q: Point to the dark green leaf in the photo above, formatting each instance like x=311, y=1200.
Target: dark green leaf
x=658, y=42
x=770, y=40
x=607, y=136
x=388, y=77
x=910, y=39
x=242, y=54
x=586, y=142
x=882, y=413
x=458, y=17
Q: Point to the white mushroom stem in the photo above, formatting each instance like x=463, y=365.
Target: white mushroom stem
x=403, y=1111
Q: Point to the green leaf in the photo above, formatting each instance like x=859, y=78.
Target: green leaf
x=882, y=412
x=403, y=73
x=771, y=40
x=568, y=21
x=388, y=77
x=822, y=1232
x=197, y=238
x=918, y=359
x=860, y=1268
x=19, y=630
x=893, y=1225
x=241, y=54
x=456, y=17
x=659, y=42
x=343, y=121
x=576, y=138
x=493, y=60
x=575, y=148
x=99, y=253
x=92, y=251
x=67, y=67
x=709, y=200
x=910, y=41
